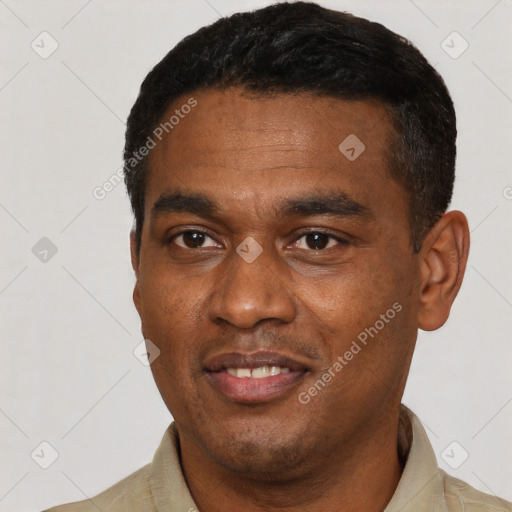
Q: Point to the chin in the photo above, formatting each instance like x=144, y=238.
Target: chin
x=257, y=460
x=257, y=451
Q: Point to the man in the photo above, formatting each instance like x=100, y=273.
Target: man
x=290, y=171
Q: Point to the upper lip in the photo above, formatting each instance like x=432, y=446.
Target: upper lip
x=252, y=360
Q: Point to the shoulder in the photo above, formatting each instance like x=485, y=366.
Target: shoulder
x=460, y=496
x=158, y=485
x=131, y=493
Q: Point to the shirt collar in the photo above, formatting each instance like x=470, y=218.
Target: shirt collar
x=421, y=487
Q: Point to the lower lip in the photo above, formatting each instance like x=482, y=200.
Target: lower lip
x=249, y=390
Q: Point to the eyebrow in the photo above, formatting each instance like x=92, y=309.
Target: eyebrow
x=179, y=202
x=337, y=204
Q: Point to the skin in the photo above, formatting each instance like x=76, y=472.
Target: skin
x=339, y=451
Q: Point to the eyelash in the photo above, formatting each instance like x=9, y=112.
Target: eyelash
x=341, y=241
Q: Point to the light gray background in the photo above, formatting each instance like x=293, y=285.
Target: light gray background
x=68, y=326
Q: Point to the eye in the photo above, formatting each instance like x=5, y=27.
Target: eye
x=193, y=239
x=318, y=241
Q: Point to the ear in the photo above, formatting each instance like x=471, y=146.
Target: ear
x=443, y=259
x=135, y=256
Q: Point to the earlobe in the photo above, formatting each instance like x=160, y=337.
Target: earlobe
x=443, y=256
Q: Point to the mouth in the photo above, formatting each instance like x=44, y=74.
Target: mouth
x=255, y=377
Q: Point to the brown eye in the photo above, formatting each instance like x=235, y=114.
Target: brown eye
x=193, y=239
x=318, y=241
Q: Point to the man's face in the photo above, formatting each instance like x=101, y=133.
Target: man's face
x=263, y=245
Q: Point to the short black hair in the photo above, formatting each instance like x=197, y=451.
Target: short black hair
x=301, y=47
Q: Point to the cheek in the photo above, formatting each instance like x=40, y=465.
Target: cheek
x=370, y=305
x=348, y=299
x=168, y=316
x=164, y=297
x=169, y=319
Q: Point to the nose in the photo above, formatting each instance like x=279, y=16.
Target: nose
x=248, y=293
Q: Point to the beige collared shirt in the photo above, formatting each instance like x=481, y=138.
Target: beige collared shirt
x=160, y=486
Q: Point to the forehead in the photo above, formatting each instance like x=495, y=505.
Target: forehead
x=268, y=147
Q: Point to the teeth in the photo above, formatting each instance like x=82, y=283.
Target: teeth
x=257, y=373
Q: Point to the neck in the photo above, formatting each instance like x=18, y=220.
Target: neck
x=363, y=475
